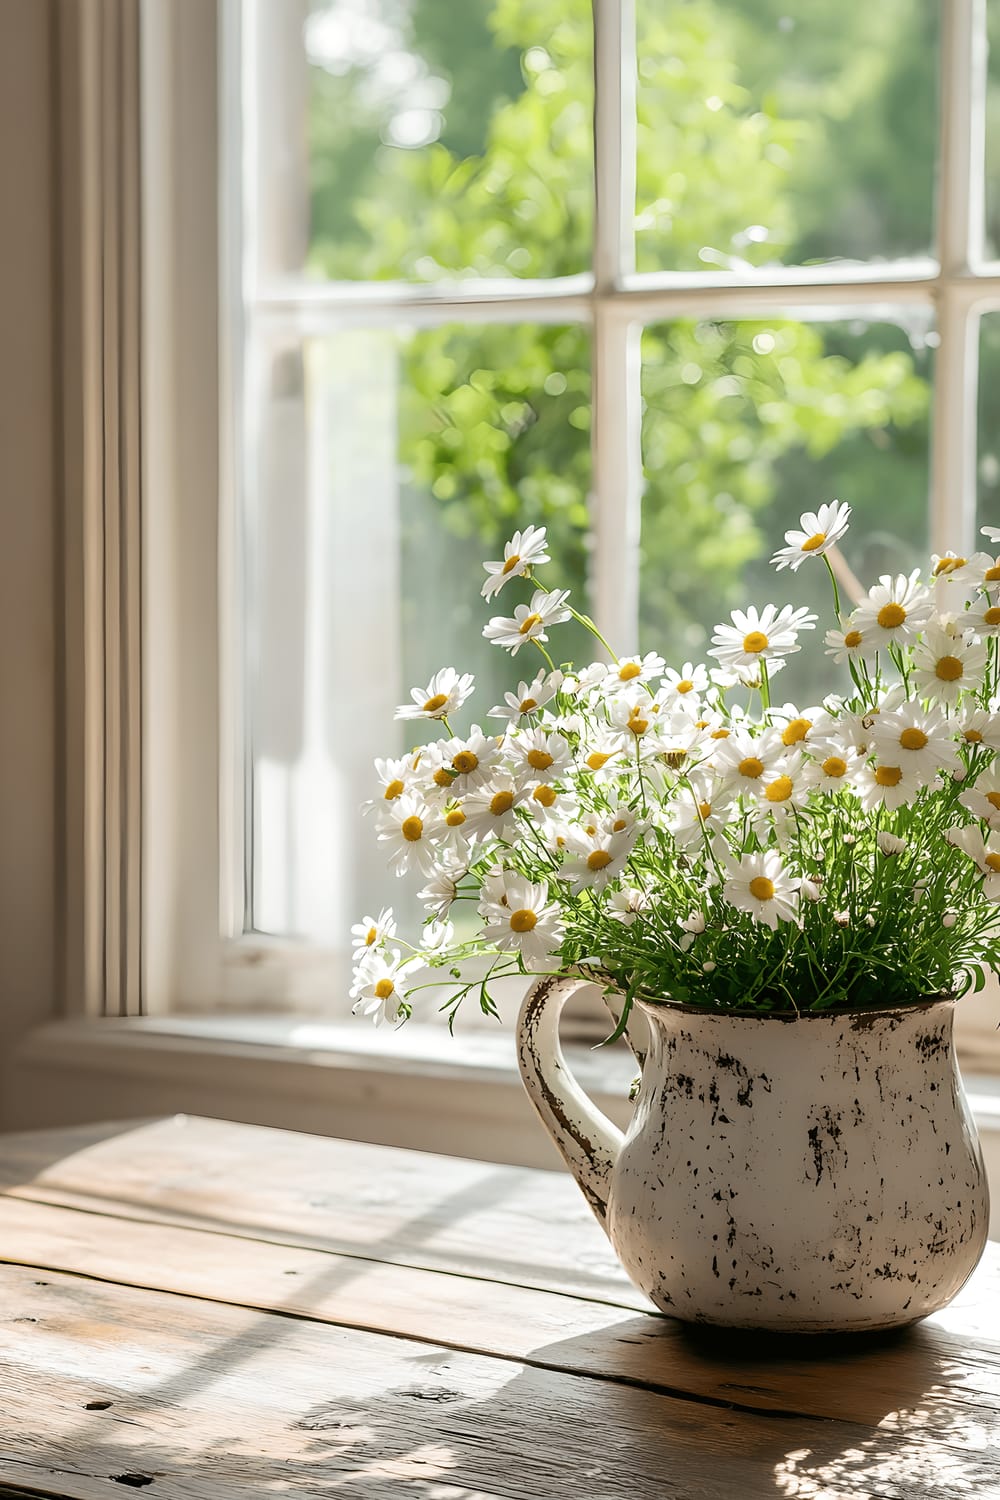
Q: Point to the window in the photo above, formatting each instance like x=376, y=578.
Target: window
x=653, y=276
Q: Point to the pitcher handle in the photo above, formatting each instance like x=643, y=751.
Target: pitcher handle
x=587, y=1140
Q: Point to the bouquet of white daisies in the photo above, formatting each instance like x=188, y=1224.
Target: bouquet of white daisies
x=678, y=834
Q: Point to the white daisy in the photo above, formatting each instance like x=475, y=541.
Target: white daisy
x=441, y=890
x=462, y=764
x=693, y=925
x=407, y=828
x=546, y=802
x=602, y=753
x=849, y=643
x=759, y=884
x=443, y=695
x=809, y=729
x=632, y=670
x=946, y=666
x=380, y=986
x=491, y=812
x=526, y=549
x=984, y=853
x=524, y=921
x=687, y=685
x=530, y=622
x=887, y=785
x=919, y=739
x=437, y=935
x=529, y=696
x=782, y=789
x=539, y=755
x=821, y=530
x=395, y=776
x=978, y=726
x=895, y=609
x=600, y=855
x=832, y=769
x=588, y=680
x=890, y=844
x=754, y=636
x=744, y=761
x=983, y=797
x=627, y=904
x=373, y=932
x=698, y=809
x=984, y=616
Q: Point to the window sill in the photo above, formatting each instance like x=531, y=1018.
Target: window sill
x=414, y=1087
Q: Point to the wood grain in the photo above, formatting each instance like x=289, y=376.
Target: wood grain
x=211, y=1402
x=255, y=1311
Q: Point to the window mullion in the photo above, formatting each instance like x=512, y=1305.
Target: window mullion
x=615, y=436
x=959, y=219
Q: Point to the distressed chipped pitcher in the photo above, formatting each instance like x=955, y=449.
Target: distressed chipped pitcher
x=805, y=1173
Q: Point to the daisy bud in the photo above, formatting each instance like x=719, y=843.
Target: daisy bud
x=949, y=919
x=707, y=967
x=810, y=890
x=842, y=918
x=890, y=845
x=849, y=839
x=869, y=920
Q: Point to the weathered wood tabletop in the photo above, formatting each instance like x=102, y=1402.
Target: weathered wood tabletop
x=205, y=1310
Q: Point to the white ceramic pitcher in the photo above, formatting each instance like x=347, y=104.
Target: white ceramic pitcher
x=812, y=1173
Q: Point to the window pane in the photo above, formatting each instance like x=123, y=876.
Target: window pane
x=992, y=206
x=784, y=131
x=747, y=425
x=389, y=465
x=422, y=139
x=989, y=424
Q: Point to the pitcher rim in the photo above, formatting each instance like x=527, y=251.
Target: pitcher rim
x=866, y=1014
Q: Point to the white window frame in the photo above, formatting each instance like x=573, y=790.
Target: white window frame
x=197, y=955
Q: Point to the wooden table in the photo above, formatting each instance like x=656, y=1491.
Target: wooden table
x=204, y=1310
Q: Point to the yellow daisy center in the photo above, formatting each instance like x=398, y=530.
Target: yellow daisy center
x=684, y=686
x=811, y=544
x=948, y=669
x=853, y=638
x=991, y=616
x=393, y=790
x=545, y=795
x=973, y=737
x=523, y=920
x=993, y=862
x=455, y=818
x=433, y=704
x=993, y=798
x=992, y=575
x=442, y=777
x=510, y=564
x=370, y=936
x=751, y=767
x=619, y=824
x=628, y=670
x=412, y=829
x=638, y=725
x=891, y=616
x=834, y=766
x=465, y=762
x=755, y=642
x=719, y=734
x=384, y=989
x=704, y=811
x=888, y=775
x=795, y=731
x=526, y=705
x=596, y=759
x=528, y=623
x=780, y=789
x=913, y=739
x=599, y=860
x=540, y=760
x=761, y=888
x=949, y=564
x=501, y=803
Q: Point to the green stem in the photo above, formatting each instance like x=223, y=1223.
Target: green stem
x=536, y=642
x=833, y=581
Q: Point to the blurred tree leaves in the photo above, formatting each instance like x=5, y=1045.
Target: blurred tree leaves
x=494, y=419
